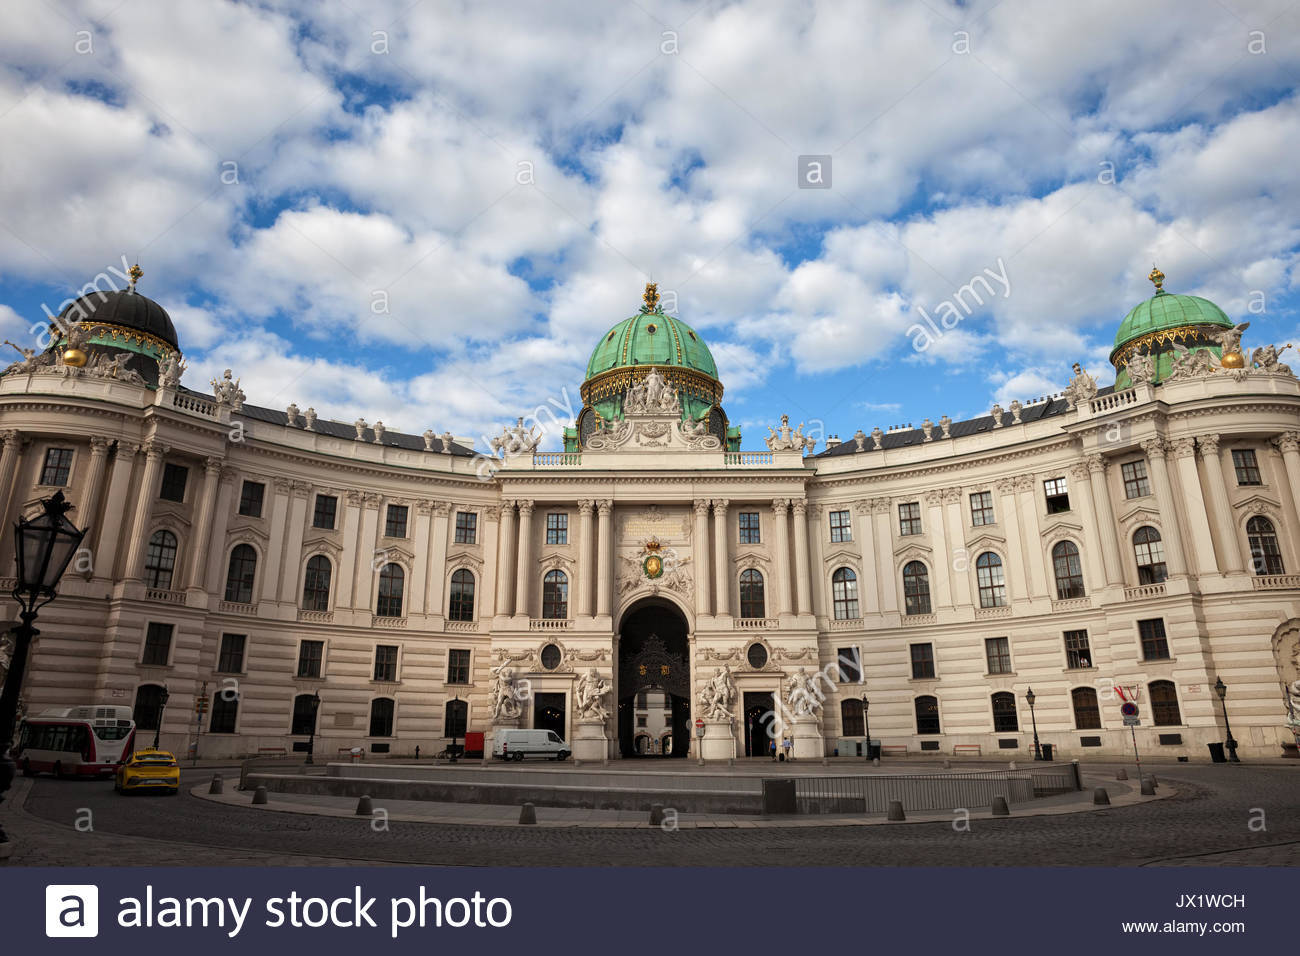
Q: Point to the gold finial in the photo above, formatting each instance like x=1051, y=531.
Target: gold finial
x=651, y=297
x=1158, y=278
x=135, y=272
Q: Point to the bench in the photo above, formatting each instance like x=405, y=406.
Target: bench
x=893, y=750
x=271, y=751
x=958, y=749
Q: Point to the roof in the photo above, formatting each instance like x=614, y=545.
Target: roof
x=125, y=308
x=651, y=339
x=1167, y=310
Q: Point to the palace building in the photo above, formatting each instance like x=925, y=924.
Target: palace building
x=281, y=579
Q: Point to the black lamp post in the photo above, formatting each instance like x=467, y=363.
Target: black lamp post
x=455, y=725
x=1031, y=697
x=43, y=548
x=866, y=726
x=163, y=697
x=315, y=713
x=1221, y=689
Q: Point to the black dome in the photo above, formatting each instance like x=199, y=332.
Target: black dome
x=127, y=309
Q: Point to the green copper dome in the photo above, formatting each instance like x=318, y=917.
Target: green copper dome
x=651, y=339
x=1165, y=311
x=1162, y=323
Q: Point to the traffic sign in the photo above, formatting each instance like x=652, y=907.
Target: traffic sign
x=1129, y=709
x=1132, y=720
x=699, y=727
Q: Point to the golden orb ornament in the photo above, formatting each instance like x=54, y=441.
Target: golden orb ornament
x=74, y=357
x=1233, y=360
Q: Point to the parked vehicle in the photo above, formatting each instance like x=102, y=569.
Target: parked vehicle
x=518, y=744
x=147, y=770
x=75, y=741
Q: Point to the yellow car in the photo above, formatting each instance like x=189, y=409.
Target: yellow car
x=149, y=769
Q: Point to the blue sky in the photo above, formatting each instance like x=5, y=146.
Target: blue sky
x=428, y=214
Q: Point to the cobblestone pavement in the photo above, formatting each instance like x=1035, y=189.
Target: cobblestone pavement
x=1206, y=823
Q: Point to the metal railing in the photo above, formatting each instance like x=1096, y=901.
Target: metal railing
x=931, y=791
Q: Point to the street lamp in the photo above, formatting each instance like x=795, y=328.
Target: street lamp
x=311, y=740
x=1031, y=697
x=455, y=725
x=163, y=697
x=43, y=548
x=1221, y=689
x=866, y=726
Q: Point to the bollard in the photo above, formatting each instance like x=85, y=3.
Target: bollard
x=656, y=814
x=364, y=808
x=1000, y=808
x=1100, y=797
x=731, y=761
x=825, y=762
x=1012, y=765
x=896, y=810
x=216, y=786
x=875, y=761
x=1122, y=774
x=259, y=796
x=1148, y=786
x=947, y=764
x=1152, y=778
x=527, y=814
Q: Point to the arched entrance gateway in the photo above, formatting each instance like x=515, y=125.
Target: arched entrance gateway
x=654, y=660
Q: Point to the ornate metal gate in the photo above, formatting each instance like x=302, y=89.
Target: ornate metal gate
x=654, y=666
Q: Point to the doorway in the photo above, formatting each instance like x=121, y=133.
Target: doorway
x=654, y=707
x=759, y=714
x=548, y=713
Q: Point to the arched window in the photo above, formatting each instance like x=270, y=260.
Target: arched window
x=993, y=587
x=844, y=591
x=148, y=706
x=751, y=593
x=1005, y=720
x=555, y=595
x=304, y=715
x=316, y=585
x=1150, y=556
x=916, y=588
x=241, y=574
x=1087, y=715
x=1069, y=570
x=1264, y=552
x=381, y=717
x=851, y=722
x=455, y=718
x=1164, y=703
x=392, y=587
x=160, y=560
x=927, y=715
x=461, y=604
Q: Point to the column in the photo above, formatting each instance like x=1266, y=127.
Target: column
x=439, y=535
x=721, y=560
x=119, y=483
x=870, y=590
x=1006, y=488
x=1288, y=444
x=961, y=596
x=13, y=440
x=369, y=561
x=90, y=496
x=297, y=530
x=1175, y=556
x=351, y=549
x=889, y=587
x=1092, y=550
x=604, y=556
x=781, y=545
x=203, y=522
x=505, y=558
x=217, y=564
x=801, y=582
x=702, y=557
x=585, y=578
x=1198, y=519
x=1105, y=518
x=524, y=564
x=272, y=573
x=939, y=562
x=155, y=452
x=817, y=581
x=420, y=571
x=1032, y=531
x=1229, y=545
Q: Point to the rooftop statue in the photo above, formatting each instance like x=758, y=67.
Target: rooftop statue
x=511, y=442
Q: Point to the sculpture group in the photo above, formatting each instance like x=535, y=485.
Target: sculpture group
x=717, y=695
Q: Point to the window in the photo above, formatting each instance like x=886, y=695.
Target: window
x=642, y=720
x=850, y=664
x=1164, y=703
x=157, y=645
x=381, y=717
x=1077, y=652
x=385, y=666
x=231, y=658
x=466, y=527
x=1155, y=646
x=457, y=666
x=981, y=508
x=1150, y=556
x=304, y=715
x=844, y=591
x=250, y=499
x=909, y=518
x=460, y=606
x=173, y=482
x=922, y=661
x=916, y=588
x=225, y=712
x=395, y=521
x=555, y=595
x=392, y=586
x=316, y=584
x=1069, y=570
x=749, y=529
x=1005, y=720
x=751, y=594
x=160, y=560
x=927, y=715
x=1058, y=498
x=998, y=652
x=1134, y=474
x=757, y=656
x=148, y=706
x=241, y=574
x=988, y=573
x=841, y=526
x=557, y=529
x=851, y=722
x=310, y=656
x=1243, y=463
x=551, y=657
x=1264, y=551
x=455, y=719
x=1087, y=715
x=325, y=512
x=58, y=466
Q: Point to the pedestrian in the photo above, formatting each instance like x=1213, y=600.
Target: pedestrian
x=417, y=751
x=786, y=745
x=771, y=748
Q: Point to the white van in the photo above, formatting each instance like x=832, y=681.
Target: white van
x=518, y=744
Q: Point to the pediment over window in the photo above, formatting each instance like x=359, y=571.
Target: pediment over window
x=987, y=542
x=326, y=545
x=248, y=532
x=1136, y=517
x=843, y=558
x=464, y=556
x=1060, y=531
x=913, y=550
x=398, y=554
x=1259, y=504
x=174, y=513
x=752, y=559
